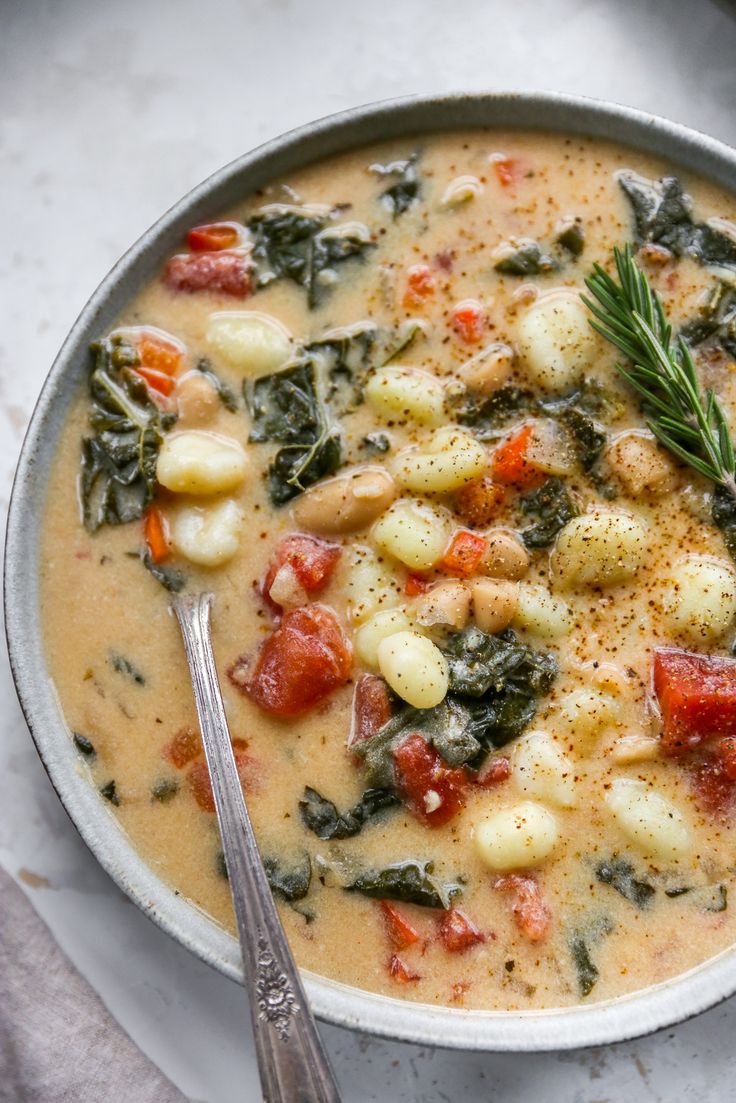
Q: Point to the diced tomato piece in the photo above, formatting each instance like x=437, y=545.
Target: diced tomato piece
x=469, y=321
x=156, y=534
x=714, y=786
x=158, y=352
x=416, y=584
x=156, y=380
x=697, y=698
x=201, y=786
x=478, y=503
x=464, y=554
x=458, y=933
x=371, y=708
x=312, y=561
x=725, y=750
x=399, y=971
x=511, y=464
x=228, y=273
x=420, y=285
x=494, y=771
x=400, y=931
x=532, y=915
x=213, y=236
x=303, y=660
x=431, y=789
x=508, y=170
x=183, y=748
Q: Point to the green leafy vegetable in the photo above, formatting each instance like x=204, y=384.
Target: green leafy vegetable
x=716, y=323
x=170, y=578
x=84, y=745
x=489, y=416
x=119, y=460
x=321, y=817
x=571, y=236
x=621, y=875
x=554, y=507
x=404, y=193
x=226, y=394
x=109, y=792
x=408, y=334
x=411, y=882
x=376, y=442
x=343, y=356
x=125, y=666
x=585, y=967
x=709, y=898
x=304, y=245
x=588, y=438
x=526, y=259
x=723, y=512
x=164, y=790
x=290, y=884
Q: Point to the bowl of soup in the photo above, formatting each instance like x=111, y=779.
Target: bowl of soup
x=473, y=622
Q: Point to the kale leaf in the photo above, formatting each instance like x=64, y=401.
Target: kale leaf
x=321, y=817
x=290, y=884
x=554, y=507
x=170, y=578
x=109, y=792
x=487, y=417
x=225, y=393
x=124, y=666
x=723, y=512
x=585, y=967
x=303, y=246
x=119, y=460
x=84, y=745
x=571, y=236
x=589, y=439
x=716, y=322
x=410, y=882
x=344, y=356
x=286, y=407
x=404, y=193
x=620, y=875
x=526, y=259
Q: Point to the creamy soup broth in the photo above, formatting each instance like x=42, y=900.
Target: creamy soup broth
x=600, y=914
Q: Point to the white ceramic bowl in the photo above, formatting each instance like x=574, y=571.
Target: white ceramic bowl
x=585, y=1025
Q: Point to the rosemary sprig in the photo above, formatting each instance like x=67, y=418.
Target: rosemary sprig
x=687, y=421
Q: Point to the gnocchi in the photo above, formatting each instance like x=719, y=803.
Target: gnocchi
x=540, y=769
x=449, y=460
x=555, y=340
x=406, y=394
x=542, y=613
x=414, y=668
x=208, y=535
x=700, y=598
x=253, y=343
x=647, y=819
x=384, y=623
x=368, y=585
x=413, y=532
x=601, y=548
x=517, y=837
x=197, y=462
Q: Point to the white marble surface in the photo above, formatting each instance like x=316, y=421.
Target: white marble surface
x=109, y=111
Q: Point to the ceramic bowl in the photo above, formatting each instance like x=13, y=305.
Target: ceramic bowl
x=585, y=1025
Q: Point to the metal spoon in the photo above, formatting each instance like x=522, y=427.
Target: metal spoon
x=292, y=1062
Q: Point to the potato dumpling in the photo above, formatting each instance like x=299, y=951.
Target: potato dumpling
x=585, y=712
x=446, y=462
x=208, y=535
x=646, y=818
x=540, y=769
x=640, y=465
x=600, y=548
x=517, y=837
x=413, y=532
x=254, y=343
x=700, y=598
x=555, y=340
x=197, y=462
x=540, y=612
x=384, y=623
x=368, y=585
x=414, y=668
x=398, y=393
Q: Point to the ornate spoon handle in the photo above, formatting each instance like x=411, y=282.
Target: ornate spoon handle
x=293, y=1065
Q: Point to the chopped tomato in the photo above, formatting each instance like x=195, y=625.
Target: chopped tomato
x=711, y=778
x=494, y=771
x=508, y=170
x=478, y=503
x=371, y=708
x=156, y=534
x=201, y=786
x=697, y=698
x=399, y=971
x=532, y=915
x=420, y=285
x=213, y=236
x=416, y=584
x=158, y=352
x=430, y=788
x=224, y=272
x=399, y=930
x=156, y=380
x=510, y=462
x=311, y=560
x=464, y=554
x=303, y=660
x=469, y=321
x=183, y=748
x=458, y=933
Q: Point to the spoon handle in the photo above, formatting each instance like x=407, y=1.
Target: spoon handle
x=293, y=1065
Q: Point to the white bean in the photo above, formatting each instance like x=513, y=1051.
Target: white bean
x=254, y=343
x=540, y=612
x=700, y=598
x=449, y=460
x=406, y=393
x=346, y=503
x=505, y=556
x=413, y=532
x=540, y=769
x=516, y=838
x=495, y=601
x=197, y=462
x=555, y=339
x=208, y=535
x=641, y=465
x=414, y=668
x=601, y=548
x=648, y=820
x=488, y=369
x=384, y=623
x=447, y=604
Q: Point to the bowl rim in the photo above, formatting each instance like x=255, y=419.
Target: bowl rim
x=614, y=1020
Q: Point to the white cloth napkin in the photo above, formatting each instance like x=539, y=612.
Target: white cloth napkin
x=58, y=1042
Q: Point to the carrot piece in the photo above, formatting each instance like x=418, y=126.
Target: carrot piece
x=508, y=170
x=510, y=463
x=155, y=380
x=159, y=354
x=420, y=285
x=469, y=321
x=156, y=535
x=416, y=585
x=399, y=930
x=213, y=236
x=464, y=554
x=478, y=503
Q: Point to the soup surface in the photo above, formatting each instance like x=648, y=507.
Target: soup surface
x=368, y=411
